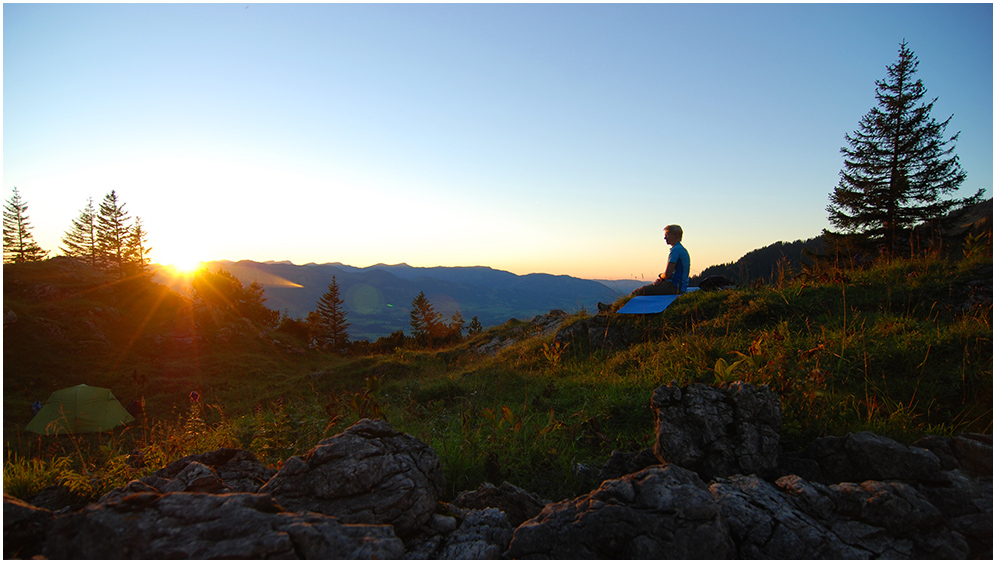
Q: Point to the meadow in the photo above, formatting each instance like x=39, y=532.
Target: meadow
x=901, y=347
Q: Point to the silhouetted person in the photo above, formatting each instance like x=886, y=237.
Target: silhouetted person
x=674, y=279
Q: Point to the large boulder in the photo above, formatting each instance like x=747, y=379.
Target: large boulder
x=658, y=513
x=370, y=473
x=718, y=431
x=972, y=453
x=24, y=528
x=205, y=526
x=866, y=456
x=765, y=524
x=801, y=520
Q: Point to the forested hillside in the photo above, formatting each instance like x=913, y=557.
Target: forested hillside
x=789, y=258
x=377, y=298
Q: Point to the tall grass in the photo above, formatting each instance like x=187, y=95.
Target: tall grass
x=897, y=348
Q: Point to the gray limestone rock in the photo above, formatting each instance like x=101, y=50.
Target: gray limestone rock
x=370, y=473
x=718, y=431
x=206, y=526
x=658, y=513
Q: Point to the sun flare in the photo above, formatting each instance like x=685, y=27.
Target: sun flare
x=186, y=267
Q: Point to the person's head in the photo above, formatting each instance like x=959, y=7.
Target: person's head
x=672, y=234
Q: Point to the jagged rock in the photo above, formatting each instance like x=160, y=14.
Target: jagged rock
x=718, y=431
x=483, y=534
x=539, y=326
x=225, y=470
x=204, y=526
x=764, y=523
x=624, y=463
x=545, y=325
x=46, y=291
x=480, y=534
x=972, y=453
x=601, y=332
x=866, y=456
x=658, y=513
x=370, y=473
x=902, y=513
x=57, y=497
x=197, y=478
x=239, y=470
x=517, y=504
x=801, y=520
x=890, y=519
x=24, y=528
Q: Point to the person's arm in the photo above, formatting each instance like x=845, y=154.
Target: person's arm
x=671, y=267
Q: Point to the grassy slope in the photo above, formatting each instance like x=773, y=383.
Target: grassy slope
x=891, y=349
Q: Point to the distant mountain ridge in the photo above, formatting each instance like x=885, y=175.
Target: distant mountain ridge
x=378, y=298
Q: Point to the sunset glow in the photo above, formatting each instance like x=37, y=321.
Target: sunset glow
x=530, y=138
x=185, y=267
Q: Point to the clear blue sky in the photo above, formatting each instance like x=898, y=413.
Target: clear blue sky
x=531, y=138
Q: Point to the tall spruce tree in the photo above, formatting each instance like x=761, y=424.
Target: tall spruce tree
x=80, y=241
x=424, y=319
x=897, y=164
x=113, y=233
x=18, y=243
x=138, y=249
x=331, y=331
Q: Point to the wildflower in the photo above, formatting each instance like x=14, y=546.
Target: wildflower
x=194, y=397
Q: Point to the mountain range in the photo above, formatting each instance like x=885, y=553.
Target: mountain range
x=378, y=298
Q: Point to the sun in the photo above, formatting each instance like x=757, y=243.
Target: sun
x=186, y=267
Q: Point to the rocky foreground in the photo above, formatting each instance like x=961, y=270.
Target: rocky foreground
x=715, y=485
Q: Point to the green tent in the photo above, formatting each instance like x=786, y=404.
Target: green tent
x=79, y=409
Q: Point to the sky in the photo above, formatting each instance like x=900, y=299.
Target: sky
x=553, y=138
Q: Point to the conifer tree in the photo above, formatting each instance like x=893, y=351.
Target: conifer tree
x=423, y=319
x=80, y=241
x=18, y=243
x=331, y=330
x=897, y=165
x=475, y=327
x=138, y=250
x=220, y=296
x=456, y=325
x=113, y=233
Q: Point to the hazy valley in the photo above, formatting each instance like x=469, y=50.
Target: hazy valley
x=378, y=298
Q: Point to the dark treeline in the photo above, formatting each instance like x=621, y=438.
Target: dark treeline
x=766, y=263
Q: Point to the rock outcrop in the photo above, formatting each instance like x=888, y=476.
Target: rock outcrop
x=718, y=431
x=226, y=470
x=601, y=332
x=712, y=487
x=25, y=528
x=205, y=526
x=658, y=513
x=370, y=473
x=517, y=504
x=540, y=325
x=800, y=520
x=464, y=534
